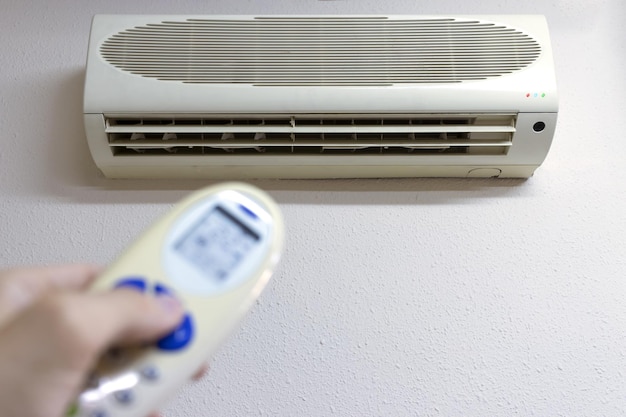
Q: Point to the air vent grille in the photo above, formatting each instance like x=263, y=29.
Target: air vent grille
x=490, y=134
x=294, y=51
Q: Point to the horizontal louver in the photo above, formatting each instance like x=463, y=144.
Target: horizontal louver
x=320, y=51
x=299, y=134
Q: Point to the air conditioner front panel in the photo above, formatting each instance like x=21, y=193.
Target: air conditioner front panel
x=403, y=63
x=320, y=51
x=321, y=158
x=307, y=96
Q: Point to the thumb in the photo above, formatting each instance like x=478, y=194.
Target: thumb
x=126, y=316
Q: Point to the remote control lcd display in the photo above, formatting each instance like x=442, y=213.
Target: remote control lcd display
x=217, y=243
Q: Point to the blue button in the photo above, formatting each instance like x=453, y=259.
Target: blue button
x=248, y=211
x=125, y=396
x=180, y=337
x=160, y=289
x=151, y=373
x=135, y=283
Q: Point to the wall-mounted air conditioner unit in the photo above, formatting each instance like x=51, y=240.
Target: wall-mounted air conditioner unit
x=319, y=96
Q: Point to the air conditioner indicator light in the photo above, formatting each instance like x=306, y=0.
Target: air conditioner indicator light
x=535, y=95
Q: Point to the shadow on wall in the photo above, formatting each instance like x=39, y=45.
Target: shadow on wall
x=68, y=158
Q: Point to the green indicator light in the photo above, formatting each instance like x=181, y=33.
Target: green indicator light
x=543, y=95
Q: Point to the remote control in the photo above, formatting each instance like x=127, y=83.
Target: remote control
x=214, y=251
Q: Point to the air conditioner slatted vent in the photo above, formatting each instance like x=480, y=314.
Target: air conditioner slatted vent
x=320, y=51
x=298, y=134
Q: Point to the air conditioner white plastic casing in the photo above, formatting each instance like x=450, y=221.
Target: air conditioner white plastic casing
x=528, y=94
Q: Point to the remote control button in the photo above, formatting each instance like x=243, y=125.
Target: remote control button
x=135, y=283
x=150, y=373
x=124, y=396
x=180, y=337
x=248, y=211
x=160, y=289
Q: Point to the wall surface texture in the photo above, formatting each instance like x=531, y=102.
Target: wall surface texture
x=413, y=297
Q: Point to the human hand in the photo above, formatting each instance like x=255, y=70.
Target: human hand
x=52, y=333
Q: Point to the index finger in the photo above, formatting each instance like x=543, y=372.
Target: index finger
x=20, y=288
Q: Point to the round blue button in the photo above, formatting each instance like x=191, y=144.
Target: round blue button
x=180, y=337
x=135, y=283
x=125, y=396
x=150, y=373
x=160, y=289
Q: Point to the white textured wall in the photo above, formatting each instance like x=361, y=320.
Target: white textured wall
x=395, y=298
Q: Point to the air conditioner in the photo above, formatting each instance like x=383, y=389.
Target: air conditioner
x=319, y=96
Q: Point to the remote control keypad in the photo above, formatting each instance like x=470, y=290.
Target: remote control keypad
x=177, y=338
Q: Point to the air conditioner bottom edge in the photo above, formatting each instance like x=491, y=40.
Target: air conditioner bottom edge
x=315, y=172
